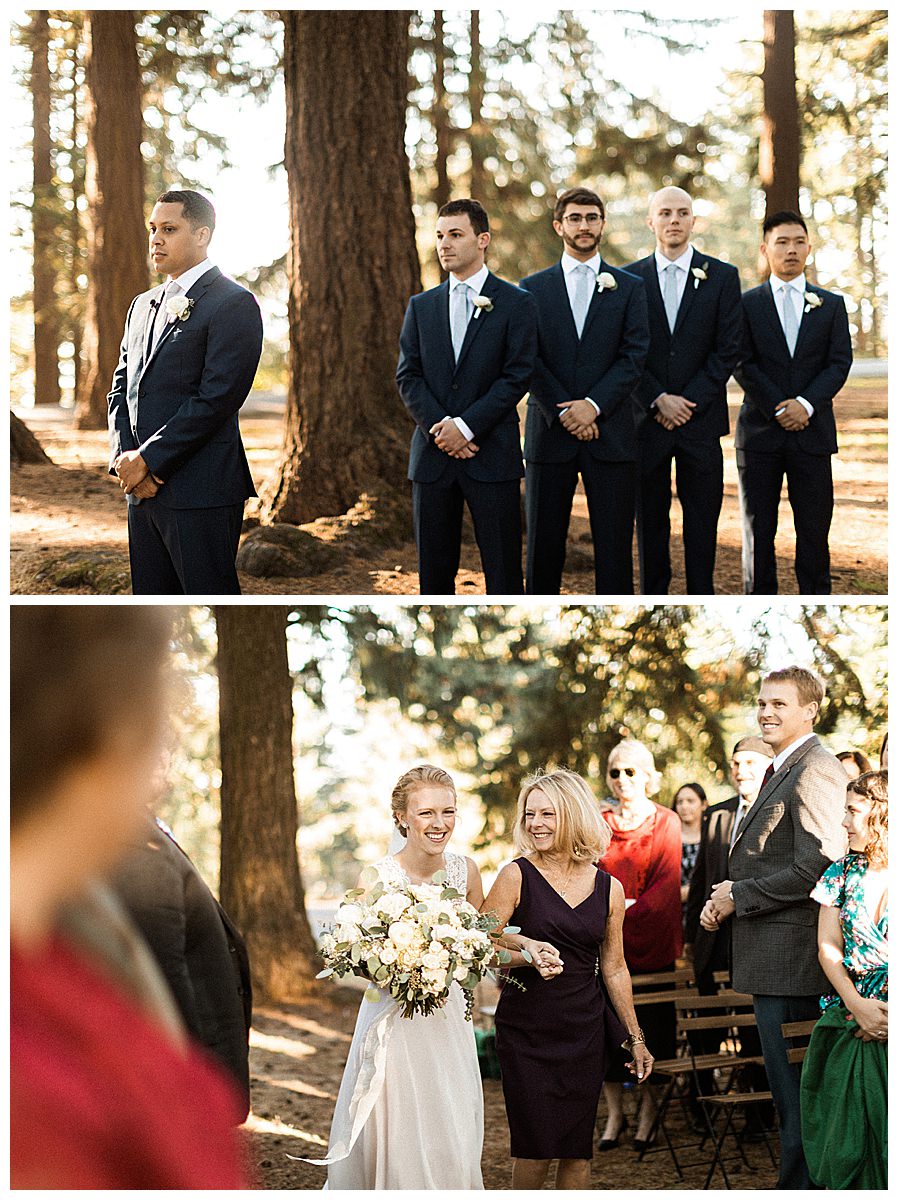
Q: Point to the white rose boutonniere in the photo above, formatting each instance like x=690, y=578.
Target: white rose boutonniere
x=481, y=304
x=605, y=280
x=699, y=274
x=179, y=307
x=811, y=300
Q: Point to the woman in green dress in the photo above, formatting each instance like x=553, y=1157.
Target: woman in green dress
x=844, y=1079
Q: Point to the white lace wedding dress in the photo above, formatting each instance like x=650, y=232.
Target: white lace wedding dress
x=410, y=1109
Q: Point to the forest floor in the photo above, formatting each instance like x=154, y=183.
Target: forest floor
x=297, y=1057
x=68, y=527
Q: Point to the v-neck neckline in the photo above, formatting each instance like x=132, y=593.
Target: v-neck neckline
x=572, y=907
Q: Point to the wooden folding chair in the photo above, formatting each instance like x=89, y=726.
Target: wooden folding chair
x=798, y=1029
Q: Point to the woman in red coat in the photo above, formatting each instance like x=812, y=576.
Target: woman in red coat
x=103, y=1093
x=645, y=856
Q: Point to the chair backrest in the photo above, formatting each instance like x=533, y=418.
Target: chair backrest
x=798, y=1029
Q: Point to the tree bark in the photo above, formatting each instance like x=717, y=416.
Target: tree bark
x=116, y=244
x=441, y=126
x=261, y=886
x=780, y=146
x=352, y=266
x=23, y=445
x=43, y=220
x=476, y=88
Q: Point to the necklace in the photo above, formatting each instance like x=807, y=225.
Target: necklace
x=551, y=879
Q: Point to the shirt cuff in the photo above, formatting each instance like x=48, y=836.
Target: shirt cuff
x=806, y=405
x=463, y=429
x=595, y=406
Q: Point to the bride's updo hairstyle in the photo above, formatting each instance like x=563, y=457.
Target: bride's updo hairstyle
x=423, y=776
x=581, y=832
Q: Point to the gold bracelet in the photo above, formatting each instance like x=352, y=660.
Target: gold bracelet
x=635, y=1039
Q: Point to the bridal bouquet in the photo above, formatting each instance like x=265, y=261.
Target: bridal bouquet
x=412, y=942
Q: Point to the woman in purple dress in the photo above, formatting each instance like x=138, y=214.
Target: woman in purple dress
x=553, y=1039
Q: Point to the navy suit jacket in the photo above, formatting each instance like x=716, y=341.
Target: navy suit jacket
x=604, y=363
x=768, y=375
x=694, y=361
x=483, y=388
x=179, y=406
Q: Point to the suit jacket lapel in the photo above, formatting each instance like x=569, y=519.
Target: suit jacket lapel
x=804, y=324
x=688, y=295
x=770, y=788
x=489, y=290
x=653, y=292
x=595, y=301
x=768, y=304
x=562, y=303
x=152, y=319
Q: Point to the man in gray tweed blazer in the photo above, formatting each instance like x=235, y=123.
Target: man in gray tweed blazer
x=782, y=846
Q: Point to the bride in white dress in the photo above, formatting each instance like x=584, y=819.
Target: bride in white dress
x=410, y=1108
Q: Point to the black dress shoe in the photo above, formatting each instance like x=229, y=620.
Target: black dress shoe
x=613, y=1143
x=641, y=1144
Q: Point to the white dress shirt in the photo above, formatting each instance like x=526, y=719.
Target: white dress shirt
x=475, y=283
x=188, y=278
x=780, y=758
x=569, y=264
x=799, y=285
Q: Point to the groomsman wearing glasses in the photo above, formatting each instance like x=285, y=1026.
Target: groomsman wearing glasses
x=796, y=358
x=593, y=338
x=465, y=360
x=695, y=324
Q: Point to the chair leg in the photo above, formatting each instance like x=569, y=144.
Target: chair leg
x=718, y=1156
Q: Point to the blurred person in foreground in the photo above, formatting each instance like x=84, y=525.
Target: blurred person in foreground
x=854, y=763
x=105, y=1092
x=198, y=948
x=845, y=1080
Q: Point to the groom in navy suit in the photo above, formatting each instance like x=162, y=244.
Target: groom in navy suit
x=465, y=359
x=187, y=363
x=796, y=358
x=581, y=416
x=695, y=319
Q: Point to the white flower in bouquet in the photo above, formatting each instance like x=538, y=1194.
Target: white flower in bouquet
x=393, y=905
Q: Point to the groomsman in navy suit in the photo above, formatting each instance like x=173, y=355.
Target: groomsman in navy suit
x=187, y=363
x=695, y=321
x=581, y=416
x=465, y=360
x=796, y=358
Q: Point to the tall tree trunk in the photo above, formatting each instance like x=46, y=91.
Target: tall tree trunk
x=476, y=88
x=442, y=190
x=780, y=147
x=353, y=264
x=76, y=230
x=116, y=244
x=45, y=233
x=261, y=886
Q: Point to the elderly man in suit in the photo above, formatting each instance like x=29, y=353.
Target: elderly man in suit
x=796, y=357
x=581, y=416
x=695, y=319
x=709, y=949
x=465, y=358
x=187, y=363
x=197, y=946
x=780, y=848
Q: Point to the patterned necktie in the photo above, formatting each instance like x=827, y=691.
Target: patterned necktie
x=458, y=318
x=767, y=774
x=671, y=302
x=741, y=814
x=580, y=303
x=790, y=320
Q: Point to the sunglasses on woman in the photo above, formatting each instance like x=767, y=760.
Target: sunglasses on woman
x=616, y=772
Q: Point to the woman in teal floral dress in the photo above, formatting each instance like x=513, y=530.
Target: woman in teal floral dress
x=844, y=1080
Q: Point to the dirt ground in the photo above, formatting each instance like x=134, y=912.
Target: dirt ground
x=68, y=533
x=296, y=1059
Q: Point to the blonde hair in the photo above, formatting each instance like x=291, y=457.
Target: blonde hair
x=581, y=832
x=810, y=687
x=874, y=786
x=643, y=758
x=415, y=778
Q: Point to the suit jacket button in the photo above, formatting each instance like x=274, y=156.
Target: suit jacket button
x=455, y=387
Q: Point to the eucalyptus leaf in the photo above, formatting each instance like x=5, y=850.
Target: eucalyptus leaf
x=325, y=973
x=512, y=929
x=527, y=956
x=439, y=877
x=372, y=994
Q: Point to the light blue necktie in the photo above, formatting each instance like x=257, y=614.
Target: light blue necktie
x=458, y=317
x=790, y=320
x=582, y=297
x=671, y=303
